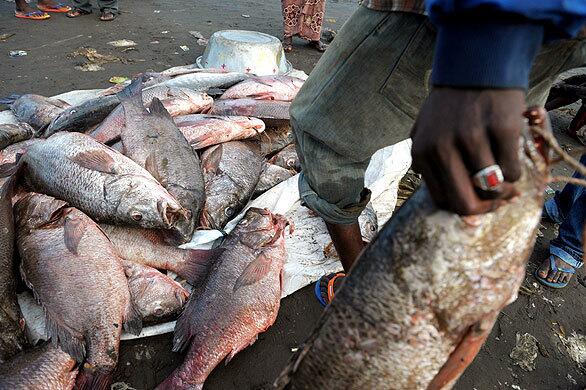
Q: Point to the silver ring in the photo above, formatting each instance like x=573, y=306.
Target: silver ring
x=489, y=178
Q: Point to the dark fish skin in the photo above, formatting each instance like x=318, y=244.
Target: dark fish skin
x=154, y=295
x=99, y=181
x=12, y=339
x=76, y=275
x=231, y=173
x=36, y=110
x=82, y=117
x=270, y=111
x=287, y=158
x=274, y=139
x=420, y=301
x=154, y=142
x=14, y=133
x=239, y=299
x=271, y=176
x=43, y=368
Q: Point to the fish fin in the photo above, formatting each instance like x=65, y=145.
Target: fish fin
x=11, y=169
x=254, y=272
x=150, y=165
x=157, y=108
x=132, y=319
x=182, y=335
x=239, y=348
x=95, y=160
x=91, y=379
x=73, y=231
x=212, y=161
x=132, y=92
x=10, y=99
x=197, y=264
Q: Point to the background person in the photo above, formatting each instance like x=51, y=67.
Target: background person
x=25, y=11
x=108, y=9
x=303, y=18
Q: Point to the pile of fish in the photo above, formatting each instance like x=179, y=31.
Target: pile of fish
x=96, y=199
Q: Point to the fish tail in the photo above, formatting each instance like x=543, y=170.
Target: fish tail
x=8, y=100
x=90, y=379
x=132, y=92
x=197, y=263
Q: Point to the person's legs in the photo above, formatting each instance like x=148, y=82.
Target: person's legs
x=80, y=7
x=25, y=11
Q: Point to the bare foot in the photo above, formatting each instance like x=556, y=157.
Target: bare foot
x=23, y=7
x=557, y=276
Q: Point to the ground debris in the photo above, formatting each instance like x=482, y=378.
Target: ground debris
x=575, y=347
x=525, y=352
x=201, y=40
x=5, y=37
x=122, y=43
x=95, y=60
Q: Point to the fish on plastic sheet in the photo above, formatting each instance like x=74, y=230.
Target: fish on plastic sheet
x=12, y=338
x=36, y=110
x=43, y=368
x=76, y=275
x=283, y=88
x=152, y=140
x=177, y=101
x=154, y=295
x=424, y=294
x=14, y=133
x=203, y=130
x=239, y=299
x=231, y=173
x=149, y=247
x=287, y=158
x=271, y=176
x=101, y=182
x=84, y=116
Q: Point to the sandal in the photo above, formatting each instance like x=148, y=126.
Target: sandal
x=76, y=12
x=57, y=8
x=324, y=288
x=107, y=16
x=553, y=268
x=33, y=15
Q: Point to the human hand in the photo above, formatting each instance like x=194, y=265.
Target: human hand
x=458, y=133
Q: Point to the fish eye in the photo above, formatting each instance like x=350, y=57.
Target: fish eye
x=136, y=216
x=290, y=163
x=229, y=211
x=372, y=228
x=159, y=311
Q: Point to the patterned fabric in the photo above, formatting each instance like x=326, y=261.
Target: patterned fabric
x=303, y=18
x=415, y=6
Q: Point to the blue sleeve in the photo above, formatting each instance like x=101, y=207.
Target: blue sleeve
x=492, y=43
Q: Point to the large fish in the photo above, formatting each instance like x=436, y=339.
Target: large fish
x=43, y=368
x=154, y=142
x=14, y=133
x=231, y=172
x=203, y=81
x=99, y=181
x=154, y=295
x=239, y=299
x=83, y=116
x=12, y=339
x=203, y=130
x=274, y=139
x=271, y=176
x=282, y=88
x=420, y=301
x=287, y=158
x=76, y=275
x=36, y=110
x=272, y=112
x=149, y=247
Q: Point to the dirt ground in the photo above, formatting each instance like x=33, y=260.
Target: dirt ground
x=159, y=28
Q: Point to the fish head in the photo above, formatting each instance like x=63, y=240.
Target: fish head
x=144, y=202
x=219, y=208
x=260, y=228
x=35, y=210
x=368, y=223
x=159, y=300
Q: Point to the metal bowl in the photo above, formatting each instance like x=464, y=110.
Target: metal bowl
x=246, y=52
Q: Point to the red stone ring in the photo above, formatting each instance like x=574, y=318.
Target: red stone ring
x=489, y=178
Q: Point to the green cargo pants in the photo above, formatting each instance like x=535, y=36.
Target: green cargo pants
x=365, y=93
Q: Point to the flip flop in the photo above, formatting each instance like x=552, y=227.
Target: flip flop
x=77, y=12
x=33, y=15
x=555, y=269
x=57, y=8
x=107, y=16
x=324, y=288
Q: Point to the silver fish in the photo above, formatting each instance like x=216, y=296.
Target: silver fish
x=36, y=110
x=14, y=133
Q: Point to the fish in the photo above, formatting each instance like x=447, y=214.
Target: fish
x=274, y=139
x=178, y=101
x=203, y=81
x=83, y=116
x=287, y=158
x=14, y=133
x=43, y=368
x=101, y=182
x=231, y=172
x=9, y=155
x=36, y=110
x=12, y=338
x=154, y=295
x=271, y=176
x=422, y=298
x=272, y=112
x=153, y=141
x=190, y=68
x=77, y=277
x=203, y=130
x=368, y=222
x=283, y=88
x=239, y=299
x=149, y=247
